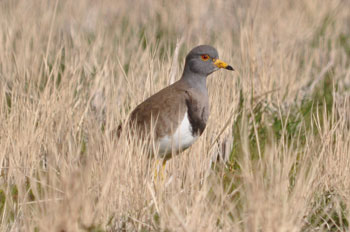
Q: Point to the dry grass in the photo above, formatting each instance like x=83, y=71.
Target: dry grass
x=279, y=126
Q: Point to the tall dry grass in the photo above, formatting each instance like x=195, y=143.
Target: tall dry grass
x=274, y=156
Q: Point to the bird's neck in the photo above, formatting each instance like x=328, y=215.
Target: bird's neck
x=195, y=81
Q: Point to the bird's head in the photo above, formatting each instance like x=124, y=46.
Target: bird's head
x=204, y=60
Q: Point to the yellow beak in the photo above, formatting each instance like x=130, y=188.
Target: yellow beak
x=222, y=64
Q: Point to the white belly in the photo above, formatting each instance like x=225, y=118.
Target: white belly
x=180, y=140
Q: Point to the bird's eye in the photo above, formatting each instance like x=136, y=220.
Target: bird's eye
x=205, y=57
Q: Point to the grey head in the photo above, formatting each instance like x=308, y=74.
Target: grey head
x=201, y=61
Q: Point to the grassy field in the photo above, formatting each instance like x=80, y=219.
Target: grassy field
x=275, y=155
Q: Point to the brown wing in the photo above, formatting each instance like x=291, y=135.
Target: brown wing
x=165, y=108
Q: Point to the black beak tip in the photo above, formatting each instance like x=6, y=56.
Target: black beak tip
x=230, y=68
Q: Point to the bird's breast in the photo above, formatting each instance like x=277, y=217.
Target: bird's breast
x=182, y=138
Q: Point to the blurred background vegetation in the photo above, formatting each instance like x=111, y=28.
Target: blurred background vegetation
x=274, y=156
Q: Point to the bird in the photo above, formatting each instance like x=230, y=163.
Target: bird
x=178, y=114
